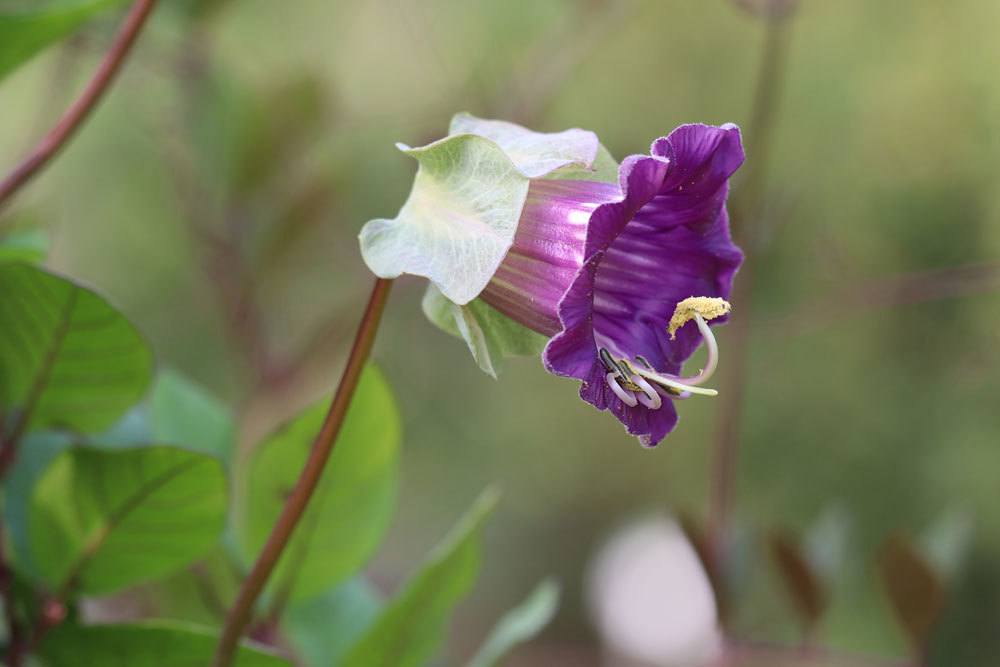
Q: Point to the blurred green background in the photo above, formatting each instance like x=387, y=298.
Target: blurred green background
x=217, y=194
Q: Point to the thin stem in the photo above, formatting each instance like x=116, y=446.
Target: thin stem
x=15, y=638
x=240, y=614
x=59, y=136
x=727, y=436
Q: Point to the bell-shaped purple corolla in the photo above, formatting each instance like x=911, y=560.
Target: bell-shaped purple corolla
x=621, y=277
x=601, y=269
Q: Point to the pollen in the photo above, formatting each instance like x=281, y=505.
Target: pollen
x=707, y=307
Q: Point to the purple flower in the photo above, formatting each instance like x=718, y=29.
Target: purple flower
x=602, y=268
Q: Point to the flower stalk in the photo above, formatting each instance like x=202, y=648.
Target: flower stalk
x=240, y=614
x=59, y=136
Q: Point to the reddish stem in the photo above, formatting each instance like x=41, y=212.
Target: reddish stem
x=240, y=614
x=60, y=135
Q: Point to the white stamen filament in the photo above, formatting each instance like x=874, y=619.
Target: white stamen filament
x=628, y=398
x=675, y=383
x=685, y=386
x=711, y=347
x=649, y=397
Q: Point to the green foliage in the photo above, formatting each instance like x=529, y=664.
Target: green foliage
x=142, y=645
x=29, y=245
x=490, y=334
x=25, y=32
x=67, y=358
x=101, y=520
x=37, y=452
x=323, y=628
x=183, y=413
x=410, y=629
x=353, y=504
x=520, y=624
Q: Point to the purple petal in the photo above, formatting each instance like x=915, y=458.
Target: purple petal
x=703, y=157
x=603, y=267
x=667, y=239
x=650, y=426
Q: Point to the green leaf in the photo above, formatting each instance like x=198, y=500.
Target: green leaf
x=36, y=453
x=101, y=520
x=462, y=213
x=411, y=628
x=490, y=334
x=322, y=628
x=519, y=625
x=67, y=358
x=25, y=32
x=183, y=413
x=29, y=246
x=201, y=593
x=152, y=644
x=350, y=509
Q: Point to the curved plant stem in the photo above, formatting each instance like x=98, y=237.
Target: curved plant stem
x=240, y=614
x=60, y=135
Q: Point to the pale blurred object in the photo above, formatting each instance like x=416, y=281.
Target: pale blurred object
x=771, y=9
x=651, y=599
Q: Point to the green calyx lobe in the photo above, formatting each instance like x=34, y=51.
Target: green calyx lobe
x=461, y=217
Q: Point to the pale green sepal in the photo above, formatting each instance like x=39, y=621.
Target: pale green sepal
x=603, y=169
x=462, y=213
x=535, y=154
x=490, y=334
x=458, y=222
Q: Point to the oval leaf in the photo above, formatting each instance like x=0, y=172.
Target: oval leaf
x=143, y=645
x=184, y=413
x=101, y=520
x=67, y=358
x=25, y=32
x=804, y=586
x=323, y=628
x=29, y=246
x=915, y=590
x=410, y=629
x=350, y=509
x=520, y=624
